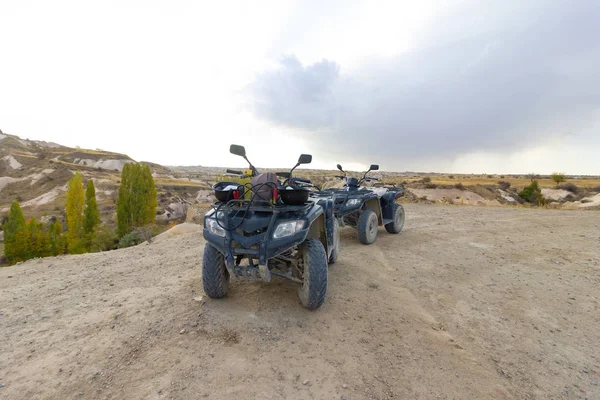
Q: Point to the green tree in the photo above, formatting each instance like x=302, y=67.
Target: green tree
x=58, y=244
x=91, y=217
x=38, y=239
x=75, y=201
x=137, y=202
x=533, y=193
x=558, y=177
x=14, y=228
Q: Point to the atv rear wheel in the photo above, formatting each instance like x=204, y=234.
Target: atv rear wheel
x=314, y=286
x=336, y=242
x=368, y=225
x=215, y=277
x=398, y=223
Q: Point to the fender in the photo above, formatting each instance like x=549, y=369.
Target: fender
x=373, y=204
x=318, y=231
x=387, y=204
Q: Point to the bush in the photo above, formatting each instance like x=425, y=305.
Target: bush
x=139, y=235
x=459, y=186
x=533, y=193
x=426, y=179
x=570, y=187
x=430, y=186
x=451, y=176
x=504, y=185
x=490, y=176
x=104, y=239
x=131, y=239
x=596, y=189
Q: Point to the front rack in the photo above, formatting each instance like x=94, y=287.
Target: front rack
x=259, y=205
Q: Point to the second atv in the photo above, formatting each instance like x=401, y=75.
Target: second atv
x=366, y=208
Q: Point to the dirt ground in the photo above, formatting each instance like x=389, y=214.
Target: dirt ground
x=466, y=303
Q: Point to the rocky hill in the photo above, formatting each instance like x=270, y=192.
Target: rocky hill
x=36, y=174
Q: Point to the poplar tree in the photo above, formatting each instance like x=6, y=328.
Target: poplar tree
x=137, y=202
x=91, y=217
x=75, y=203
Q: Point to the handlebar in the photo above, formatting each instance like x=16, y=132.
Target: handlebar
x=303, y=180
x=235, y=172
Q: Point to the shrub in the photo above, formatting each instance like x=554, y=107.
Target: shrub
x=533, y=193
x=137, y=236
x=430, y=186
x=459, y=186
x=426, y=179
x=104, y=239
x=451, y=176
x=504, y=185
x=596, y=189
x=490, y=176
x=131, y=239
x=570, y=187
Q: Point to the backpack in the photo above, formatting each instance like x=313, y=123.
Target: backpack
x=264, y=186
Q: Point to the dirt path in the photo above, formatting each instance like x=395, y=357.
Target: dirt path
x=466, y=303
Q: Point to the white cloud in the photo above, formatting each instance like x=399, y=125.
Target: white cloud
x=167, y=82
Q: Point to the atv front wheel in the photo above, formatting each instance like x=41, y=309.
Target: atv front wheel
x=215, y=277
x=314, y=286
x=336, y=242
x=367, y=227
x=398, y=223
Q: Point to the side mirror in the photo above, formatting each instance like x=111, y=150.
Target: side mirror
x=305, y=159
x=237, y=150
x=340, y=167
x=374, y=167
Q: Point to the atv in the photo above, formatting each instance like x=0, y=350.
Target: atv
x=269, y=227
x=366, y=208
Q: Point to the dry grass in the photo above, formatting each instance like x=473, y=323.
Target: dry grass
x=179, y=182
x=483, y=180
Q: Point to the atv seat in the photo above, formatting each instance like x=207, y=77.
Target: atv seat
x=379, y=191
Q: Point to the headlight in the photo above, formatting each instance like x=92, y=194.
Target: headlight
x=288, y=228
x=353, y=202
x=214, y=228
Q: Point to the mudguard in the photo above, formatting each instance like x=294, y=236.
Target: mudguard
x=387, y=205
x=327, y=206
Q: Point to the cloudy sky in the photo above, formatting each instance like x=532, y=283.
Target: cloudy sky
x=506, y=86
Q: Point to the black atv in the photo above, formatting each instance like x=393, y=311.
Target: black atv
x=366, y=208
x=269, y=227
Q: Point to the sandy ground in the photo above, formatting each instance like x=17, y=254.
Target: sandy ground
x=466, y=303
